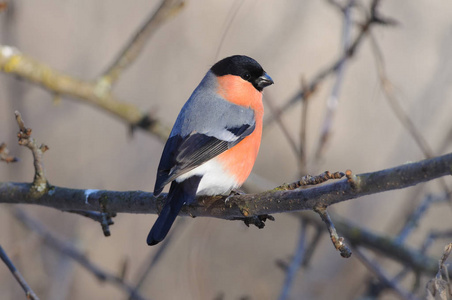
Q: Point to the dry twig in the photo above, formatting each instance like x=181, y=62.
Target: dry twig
x=297, y=260
x=333, y=99
x=382, y=277
x=394, y=103
x=311, y=180
x=338, y=241
x=69, y=250
x=158, y=255
x=416, y=260
x=302, y=158
x=166, y=10
x=284, y=129
x=4, y=154
x=374, y=18
x=28, y=291
x=439, y=288
x=40, y=184
x=413, y=219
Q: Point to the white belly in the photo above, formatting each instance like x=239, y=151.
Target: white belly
x=215, y=180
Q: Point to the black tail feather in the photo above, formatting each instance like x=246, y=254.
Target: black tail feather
x=179, y=193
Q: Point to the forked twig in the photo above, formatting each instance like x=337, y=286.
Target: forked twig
x=40, y=184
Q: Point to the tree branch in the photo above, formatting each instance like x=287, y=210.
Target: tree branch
x=40, y=184
x=238, y=206
x=14, y=62
x=295, y=264
x=166, y=10
x=69, y=250
x=28, y=291
x=382, y=276
x=387, y=246
x=333, y=99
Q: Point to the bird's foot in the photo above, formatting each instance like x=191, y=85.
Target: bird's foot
x=258, y=221
x=234, y=193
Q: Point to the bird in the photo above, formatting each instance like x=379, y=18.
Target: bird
x=215, y=139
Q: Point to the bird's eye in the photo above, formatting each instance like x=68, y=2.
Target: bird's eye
x=246, y=76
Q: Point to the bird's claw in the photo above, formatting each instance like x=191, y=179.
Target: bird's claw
x=258, y=221
x=232, y=194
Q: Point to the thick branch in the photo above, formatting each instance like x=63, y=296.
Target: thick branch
x=238, y=206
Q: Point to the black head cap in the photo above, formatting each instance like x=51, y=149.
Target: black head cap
x=245, y=67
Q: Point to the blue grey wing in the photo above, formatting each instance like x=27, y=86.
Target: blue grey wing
x=182, y=155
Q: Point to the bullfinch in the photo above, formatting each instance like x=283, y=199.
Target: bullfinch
x=214, y=142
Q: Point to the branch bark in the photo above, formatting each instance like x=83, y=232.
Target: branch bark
x=238, y=206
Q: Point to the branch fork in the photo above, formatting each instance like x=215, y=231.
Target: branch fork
x=40, y=185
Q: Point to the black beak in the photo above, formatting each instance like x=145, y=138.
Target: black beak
x=264, y=81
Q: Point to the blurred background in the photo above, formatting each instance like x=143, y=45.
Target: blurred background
x=208, y=258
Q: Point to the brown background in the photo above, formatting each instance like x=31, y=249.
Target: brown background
x=291, y=39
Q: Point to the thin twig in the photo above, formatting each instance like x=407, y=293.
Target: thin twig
x=394, y=103
x=158, y=254
x=445, y=141
x=333, y=99
x=385, y=245
x=69, y=250
x=28, y=291
x=40, y=184
x=359, y=236
x=313, y=245
x=4, y=154
x=382, y=277
x=338, y=241
x=373, y=19
x=413, y=220
x=432, y=237
x=302, y=158
x=446, y=253
x=286, y=132
x=311, y=180
x=233, y=12
x=294, y=266
x=402, y=116
x=410, y=225
x=166, y=10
